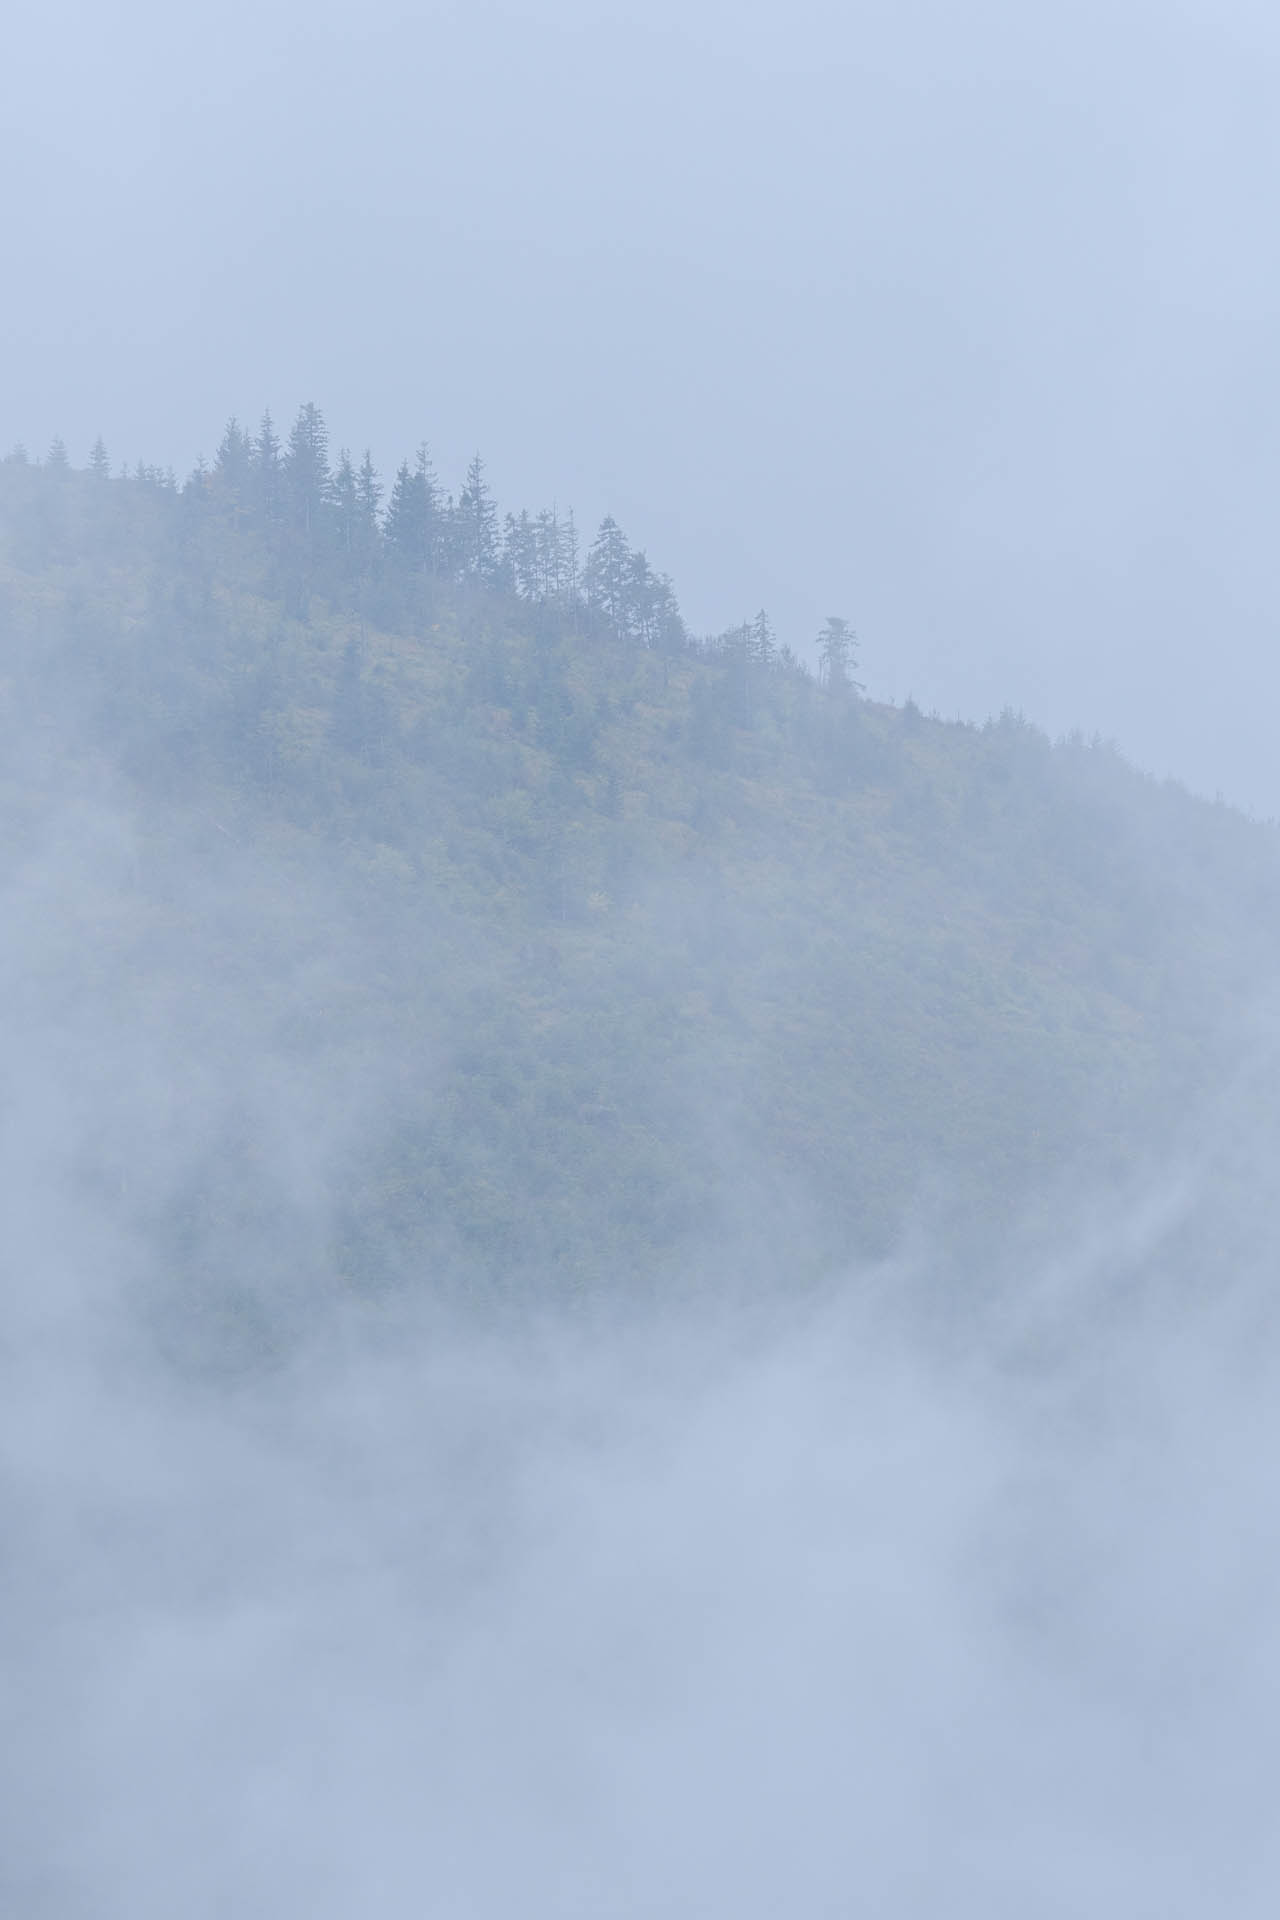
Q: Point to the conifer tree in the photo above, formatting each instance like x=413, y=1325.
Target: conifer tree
x=99, y=464
x=738, y=647
x=640, y=599
x=671, y=634
x=763, y=644
x=346, y=509
x=232, y=460
x=477, y=523
x=428, y=503
x=232, y=471
x=413, y=526
x=606, y=576
x=368, y=498
x=836, y=659
x=567, y=560
x=547, y=554
x=265, y=478
x=523, y=557
x=405, y=528
x=306, y=474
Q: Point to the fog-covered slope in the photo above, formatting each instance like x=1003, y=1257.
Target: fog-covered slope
x=632, y=1284
x=631, y=947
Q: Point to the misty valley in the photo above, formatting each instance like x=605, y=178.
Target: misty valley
x=636, y=1283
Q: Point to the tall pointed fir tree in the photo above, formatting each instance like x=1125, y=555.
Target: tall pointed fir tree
x=605, y=577
x=837, y=661
x=403, y=525
x=548, y=550
x=413, y=516
x=368, y=499
x=520, y=551
x=231, y=482
x=345, y=500
x=265, y=482
x=307, y=491
x=477, y=526
x=764, y=646
x=406, y=522
x=672, y=636
x=428, y=502
x=306, y=473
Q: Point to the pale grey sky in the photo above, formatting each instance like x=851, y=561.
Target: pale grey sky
x=959, y=320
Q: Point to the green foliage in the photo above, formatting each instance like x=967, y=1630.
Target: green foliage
x=665, y=931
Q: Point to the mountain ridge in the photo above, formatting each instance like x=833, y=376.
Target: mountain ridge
x=657, y=936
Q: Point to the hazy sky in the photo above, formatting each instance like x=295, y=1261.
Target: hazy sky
x=958, y=320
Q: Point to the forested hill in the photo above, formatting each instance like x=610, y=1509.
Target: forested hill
x=587, y=949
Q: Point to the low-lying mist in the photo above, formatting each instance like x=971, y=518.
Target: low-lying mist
x=747, y=1613
x=908, y=1594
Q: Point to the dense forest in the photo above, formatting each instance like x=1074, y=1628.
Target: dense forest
x=635, y=952
x=321, y=530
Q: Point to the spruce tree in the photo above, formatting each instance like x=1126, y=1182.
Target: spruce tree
x=232, y=478
x=306, y=474
x=265, y=478
x=548, y=552
x=671, y=633
x=413, y=526
x=477, y=524
x=231, y=462
x=639, y=600
x=368, y=498
x=836, y=659
x=427, y=498
x=523, y=557
x=568, y=561
x=346, y=509
x=406, y=522
x=763, y=644
x=606, y=576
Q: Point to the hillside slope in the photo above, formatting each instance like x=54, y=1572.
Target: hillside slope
x=625, y=954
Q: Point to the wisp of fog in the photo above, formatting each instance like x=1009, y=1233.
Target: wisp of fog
x=765, y=1602
x=638, y=1275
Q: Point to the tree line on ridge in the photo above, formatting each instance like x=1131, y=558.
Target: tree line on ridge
x=330, y=527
